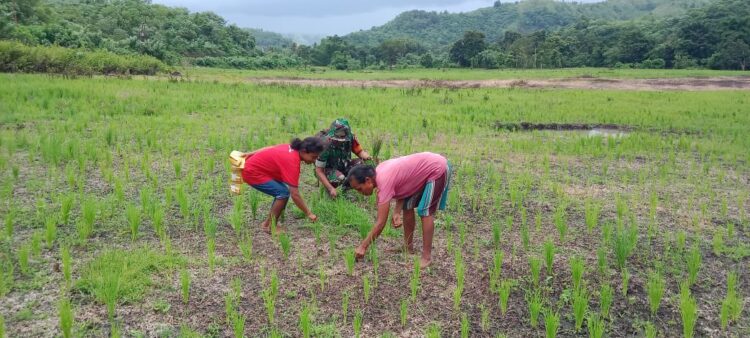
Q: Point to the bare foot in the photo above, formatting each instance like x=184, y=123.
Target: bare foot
x=267, y=229
x=424, y=263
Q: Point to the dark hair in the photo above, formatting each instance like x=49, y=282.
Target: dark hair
x=311, y=144
x=360, y=172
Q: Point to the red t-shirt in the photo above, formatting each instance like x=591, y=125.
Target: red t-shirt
x=281, y=163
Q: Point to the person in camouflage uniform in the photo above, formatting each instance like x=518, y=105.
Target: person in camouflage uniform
x=334, y=163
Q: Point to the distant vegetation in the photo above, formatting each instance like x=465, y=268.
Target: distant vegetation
x=655, y=34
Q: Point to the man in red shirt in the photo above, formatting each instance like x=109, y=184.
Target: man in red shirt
x=275, y=171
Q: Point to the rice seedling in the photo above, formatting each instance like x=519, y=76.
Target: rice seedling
x=484, y=322
x=497, y=266
x=551, y=323
x=496, y=232
x=366, y=288
x=183, y=201
x=504, y=294
x=415, y=276
x=680, y=239
x=693, y=260
x=655, y=290
x=509, y=223
x=66, y=265
x=464, y=326
x=86, y=226
x=246, y=247
x=580, y=306
x=606, y=295
x=688, y=310
x=624, y=241
x=9, y=221
x=717, y=242
x=596, y=326
x=345, y=306
x=65, y=312
x=525, y=239
x=157, y=221
x=185, y=285
x=357, y=323
x=50, y=231
x=649, y=330
x=535, y=265
x=6, y=277
x=305, y=320
x=286, y=244
x=66, y=204
x=601, y=260
x=269, y=295
x=238, y=325
x=349, y=260
x=211, y=249
x=592, y=211
x=432, y=331
x=534, y=301
x=577, y=269
x=731, y=306
x=549, y=255
x=625, y=274
x=404, y=308
x=560, y=221
x=36, y=244
x=23, y=259
x=236, y=217
x=134, y=220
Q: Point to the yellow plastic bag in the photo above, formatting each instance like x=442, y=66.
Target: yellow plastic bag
x=237, y=162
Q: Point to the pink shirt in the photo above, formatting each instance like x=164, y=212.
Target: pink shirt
x=403, y=177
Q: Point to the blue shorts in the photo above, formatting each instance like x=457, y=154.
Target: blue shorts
x=273, y=188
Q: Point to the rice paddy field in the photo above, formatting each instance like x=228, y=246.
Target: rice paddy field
x=600, y=213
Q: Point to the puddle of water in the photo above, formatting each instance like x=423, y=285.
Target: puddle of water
x=606, y=132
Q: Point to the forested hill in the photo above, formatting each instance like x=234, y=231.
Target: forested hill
x=434, y=30
x=124, y=27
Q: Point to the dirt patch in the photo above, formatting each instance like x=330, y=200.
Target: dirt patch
x=558, y=126
x=684, y=84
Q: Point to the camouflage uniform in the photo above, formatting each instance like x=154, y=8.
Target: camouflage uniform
x=336, y=160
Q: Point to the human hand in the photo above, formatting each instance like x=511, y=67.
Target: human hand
x=359, y=252
x=397, y=220
x=332, y=192
x=312, y=217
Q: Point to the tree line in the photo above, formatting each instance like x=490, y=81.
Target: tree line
x=716, y=36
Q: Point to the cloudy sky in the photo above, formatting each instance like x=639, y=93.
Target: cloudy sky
x=322, y=17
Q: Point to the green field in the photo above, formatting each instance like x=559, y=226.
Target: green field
x=452, y=74
x=117, y=217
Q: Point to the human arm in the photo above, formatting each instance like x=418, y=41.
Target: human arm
x=300, y=203
x=321, y=174
x=382, y=218
x=398, y=213
x=364, y=155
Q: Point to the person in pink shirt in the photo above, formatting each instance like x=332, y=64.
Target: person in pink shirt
x=419, y=181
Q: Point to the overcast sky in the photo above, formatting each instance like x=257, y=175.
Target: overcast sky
x=322, y=17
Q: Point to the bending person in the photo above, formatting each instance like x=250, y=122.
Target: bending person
x=275, y=171
x=419, y=181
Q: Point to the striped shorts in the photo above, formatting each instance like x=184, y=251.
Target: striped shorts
x=432, y=197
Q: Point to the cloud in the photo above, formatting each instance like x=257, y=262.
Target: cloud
x=306, y=8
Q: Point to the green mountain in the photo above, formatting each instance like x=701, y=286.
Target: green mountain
x=435, y=30
x=270, y=40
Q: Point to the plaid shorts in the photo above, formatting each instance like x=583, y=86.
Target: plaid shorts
x=432, y=197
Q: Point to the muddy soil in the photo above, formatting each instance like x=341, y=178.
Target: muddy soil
x=686, y=84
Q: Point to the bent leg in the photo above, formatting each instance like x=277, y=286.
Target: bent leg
x=428, y=229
